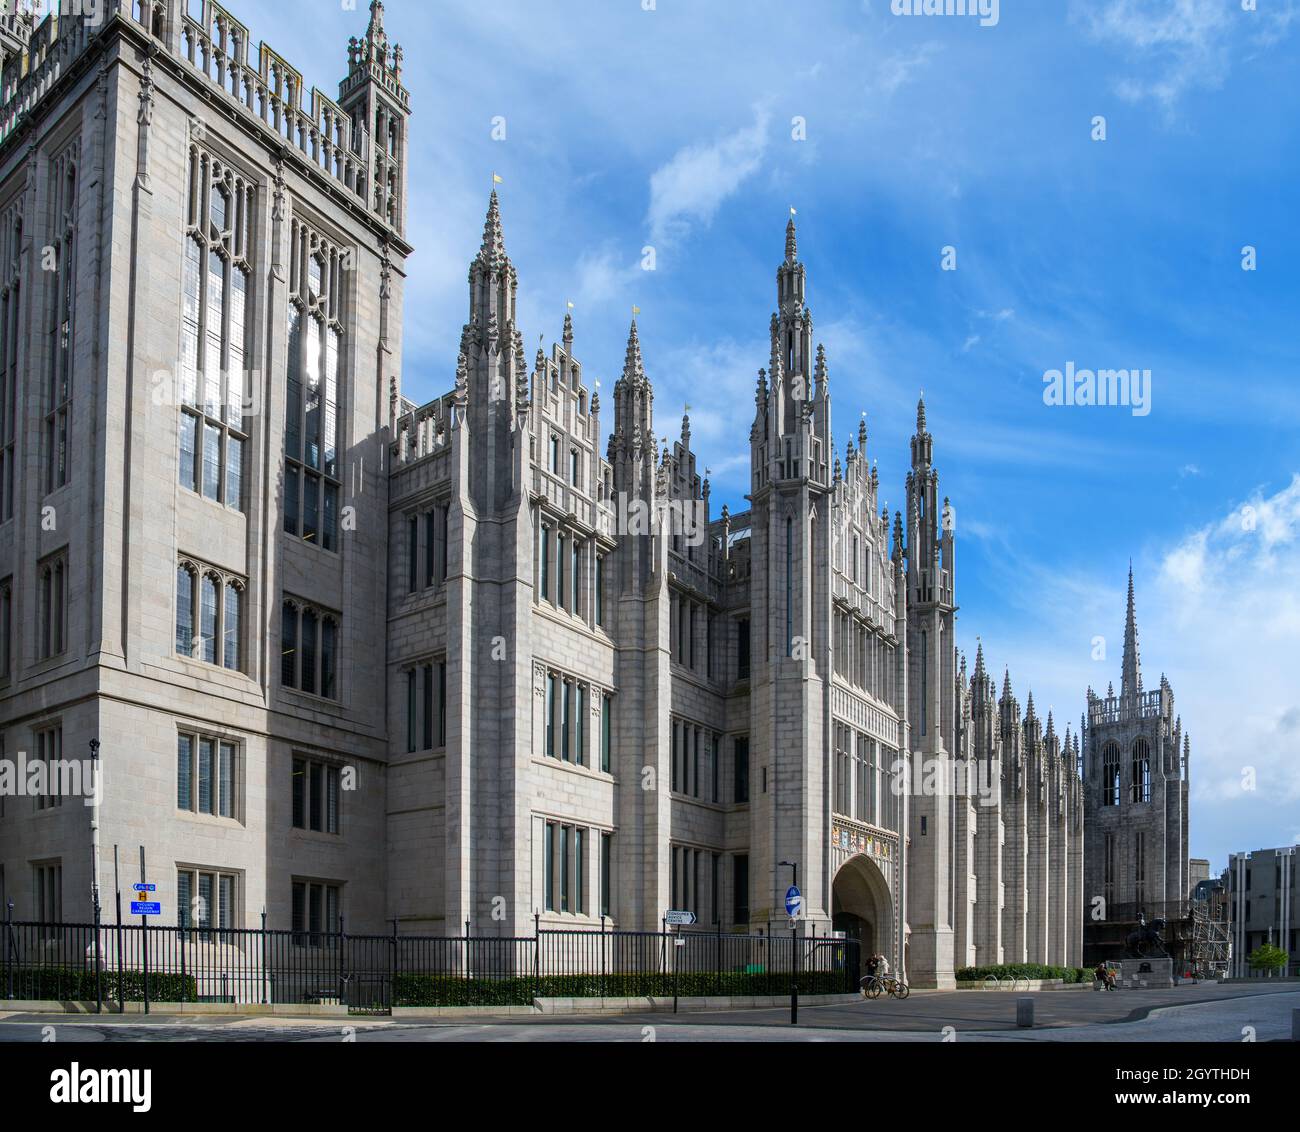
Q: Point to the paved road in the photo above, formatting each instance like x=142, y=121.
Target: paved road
x=1184, y=1014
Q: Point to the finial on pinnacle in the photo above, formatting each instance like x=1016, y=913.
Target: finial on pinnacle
x=791, y=244
x=920, y=414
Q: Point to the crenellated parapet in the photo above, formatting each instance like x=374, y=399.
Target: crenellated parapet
x=358, y=141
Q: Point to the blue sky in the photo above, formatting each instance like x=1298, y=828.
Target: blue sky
x=673, y=127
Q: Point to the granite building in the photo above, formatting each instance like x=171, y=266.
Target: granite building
x=1261, y=888
x=1136, y=757
x=481, y=661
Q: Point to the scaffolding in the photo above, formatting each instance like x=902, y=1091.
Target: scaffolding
x=1209, y=946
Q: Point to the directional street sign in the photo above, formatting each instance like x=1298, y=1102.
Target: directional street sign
x=676, y=917
x=145, y=908
x=145, y=887
x=793, y=902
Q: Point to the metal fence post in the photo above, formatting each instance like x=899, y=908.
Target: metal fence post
x=794, y=972
x=121, y=992
x=717, y=927
x=342, y=965
x=537, y=954
x=266, y=974
x=393, y=961
x=9, y=946
x=144, y=929
x=99, y=966
x=180, y=946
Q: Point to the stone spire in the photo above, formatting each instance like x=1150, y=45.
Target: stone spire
x=979, y=660
x=633, y=367
x=821, y=374
x=373, y=49
x=1131, y=679
x=791, y=244
x=493, y=250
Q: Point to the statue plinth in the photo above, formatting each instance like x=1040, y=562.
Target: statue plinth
x=1148, y=973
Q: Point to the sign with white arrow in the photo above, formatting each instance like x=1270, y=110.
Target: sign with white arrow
x=678, y=917
x=793, y=902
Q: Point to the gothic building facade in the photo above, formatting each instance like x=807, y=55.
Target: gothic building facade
x=1136, y=784
x=476, y=661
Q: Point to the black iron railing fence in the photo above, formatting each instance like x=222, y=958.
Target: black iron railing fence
x=112, y=964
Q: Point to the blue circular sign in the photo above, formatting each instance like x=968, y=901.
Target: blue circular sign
x=793, y=902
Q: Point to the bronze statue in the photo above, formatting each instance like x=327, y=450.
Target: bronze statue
x=1144, y=941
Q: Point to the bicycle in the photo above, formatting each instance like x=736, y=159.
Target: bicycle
x=872, y=986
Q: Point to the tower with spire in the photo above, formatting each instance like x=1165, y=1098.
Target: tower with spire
x=1135, y=765
x=373, y=97
x=931, y=714
x=791, y=521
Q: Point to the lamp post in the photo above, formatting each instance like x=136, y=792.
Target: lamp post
x=94, y=870
x=793, y=866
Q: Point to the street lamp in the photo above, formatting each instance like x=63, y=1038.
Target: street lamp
x=793, y=866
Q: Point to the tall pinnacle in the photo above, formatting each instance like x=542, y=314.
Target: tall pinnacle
x=633, y=369
x=494, y=240
x=791, y=244
x=1131, y=678
x=920, y=416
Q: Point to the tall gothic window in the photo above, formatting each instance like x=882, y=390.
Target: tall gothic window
x=209, y=615
x=309, y=645
x=925, y=679
x=315, y=347
x=52, y=612
x=214, y=332
x=62, y=281
x=11, y=240
x=1110, y=774
x=1141, y=771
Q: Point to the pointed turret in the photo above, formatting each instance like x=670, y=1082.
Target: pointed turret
x=375, y=108
x=493, y=249
x=1131, y=678
x=791, y=244
x=633, y=367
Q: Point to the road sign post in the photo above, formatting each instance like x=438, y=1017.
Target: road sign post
x=677, y=917
x=794, y=909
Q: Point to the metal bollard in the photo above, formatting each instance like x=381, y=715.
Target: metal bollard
x=1025, y=1013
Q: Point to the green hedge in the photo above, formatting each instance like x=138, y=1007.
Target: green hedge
x=451, y=990
x=1023, y=971
x=73, y=984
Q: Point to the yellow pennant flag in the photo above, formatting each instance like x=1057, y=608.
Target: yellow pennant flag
x=636, y=310
x=496, y=180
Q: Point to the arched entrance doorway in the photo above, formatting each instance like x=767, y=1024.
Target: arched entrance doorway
x=862, y=908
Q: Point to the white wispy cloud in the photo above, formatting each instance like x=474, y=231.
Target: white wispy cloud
x=1219, y=613
x=689, y=188
x=898, y=69
x=1174, y=47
